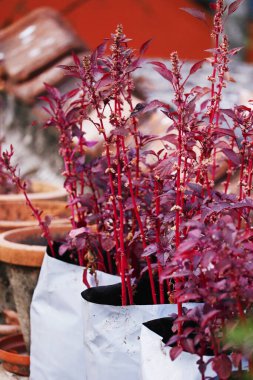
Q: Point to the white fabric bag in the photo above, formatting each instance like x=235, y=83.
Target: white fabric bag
x=112, y=338
x=156, y=362
x=57, y=350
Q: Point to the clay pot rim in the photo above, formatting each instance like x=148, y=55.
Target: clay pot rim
x=14, y=225
x=55, y=192
x=24, y=254
x=6, y=225
x=11, y=357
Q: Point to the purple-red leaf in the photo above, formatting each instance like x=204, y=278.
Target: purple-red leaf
x=53, y=91
x=196, y=66
x=208, y=317
x=150, y=250
x=188, y=345
x=181, y=274
x=235, y=50
x=175, y=352
x=195, y=13
x=104, y=83
x=232, y=156
x=230, y=113
x=165, y=167
x=172, y=138
x=76, y=59
x=78, y=232
x=234, y=6
x=63, y=248
x=222, y=366
x=172, y=340
x=224, y=132
x=153, y=105
x=108, y=243
x=186, y=245
x=145, y=46
x=189, y=297
x=98, y=52
x=162, y=69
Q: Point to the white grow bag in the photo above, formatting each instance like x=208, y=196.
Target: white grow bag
x=57, y=350
x=112, y=338
x=157, y=365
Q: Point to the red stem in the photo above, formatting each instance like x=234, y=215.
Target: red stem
x=241, y=185
x=158, y=241
x=101, y=130
x=137, y=215
x=22, y=186
x=121, y=227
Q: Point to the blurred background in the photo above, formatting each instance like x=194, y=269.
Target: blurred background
x=93, y=20
x=161, y=20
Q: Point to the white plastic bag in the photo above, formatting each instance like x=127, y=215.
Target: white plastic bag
x=57, y=350
x=112, y=338
x=156, y=362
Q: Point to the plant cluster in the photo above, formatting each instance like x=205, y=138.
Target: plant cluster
x=212, y=261
x=131, y=215
x=6, y=185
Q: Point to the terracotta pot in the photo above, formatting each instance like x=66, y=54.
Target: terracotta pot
x=6, y=295
x=22, y=250
x=25, y=247
x=13, y=355
x=39, y=191
x=14, y=212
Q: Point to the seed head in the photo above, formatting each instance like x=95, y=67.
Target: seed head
x=86, y=62
x=175, y=64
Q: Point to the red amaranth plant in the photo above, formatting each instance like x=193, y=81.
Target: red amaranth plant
x=5, y=162
x=117, y=194
x=215, y=261
x=6, y=185
x=212, y=262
